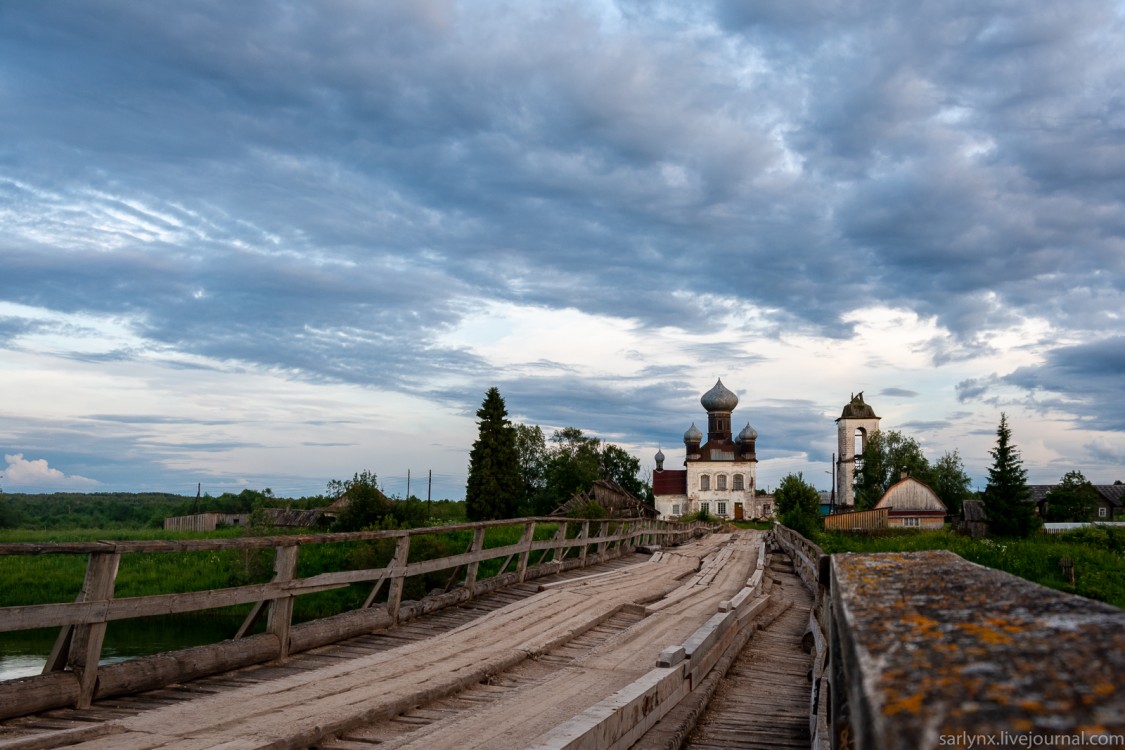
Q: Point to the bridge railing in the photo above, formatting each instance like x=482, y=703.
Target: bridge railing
x=72, y=675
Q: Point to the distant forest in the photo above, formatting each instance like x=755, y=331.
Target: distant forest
x=127, y=510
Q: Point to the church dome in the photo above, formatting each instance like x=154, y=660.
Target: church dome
x=748, y=433
x=659, y=457
x=693, y=435
x=719, y=398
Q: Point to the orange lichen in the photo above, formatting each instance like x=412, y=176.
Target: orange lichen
x=1104, y=689
x=987, y=634
x=910, y=704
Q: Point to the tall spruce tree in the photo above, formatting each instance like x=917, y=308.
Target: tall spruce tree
x=494, y=487
x=1007, y=498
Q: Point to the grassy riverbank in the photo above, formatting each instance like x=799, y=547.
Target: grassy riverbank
x=1098, y=554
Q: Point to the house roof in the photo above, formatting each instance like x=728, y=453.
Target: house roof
x=669, y=482
x=1114, y=494
x=973, y=510
x=911, y=495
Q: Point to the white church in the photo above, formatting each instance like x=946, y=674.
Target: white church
x=719, y=476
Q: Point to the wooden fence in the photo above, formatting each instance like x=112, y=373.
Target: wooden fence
x=72, y=675
x=860, y=520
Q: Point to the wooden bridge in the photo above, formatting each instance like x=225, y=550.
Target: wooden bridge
x=605, y=635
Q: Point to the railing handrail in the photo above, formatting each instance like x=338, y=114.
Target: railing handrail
x=122, y=546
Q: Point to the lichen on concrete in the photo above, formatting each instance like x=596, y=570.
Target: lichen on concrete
x=946, y=647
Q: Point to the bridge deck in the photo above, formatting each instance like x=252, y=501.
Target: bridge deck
x=763, y=702
x=547, y=656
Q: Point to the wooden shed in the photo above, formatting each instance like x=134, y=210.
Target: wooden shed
x=615, y=500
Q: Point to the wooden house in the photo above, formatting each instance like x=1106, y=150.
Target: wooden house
x=913, y=504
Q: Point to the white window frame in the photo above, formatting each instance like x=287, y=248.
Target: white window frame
x=1102, y=511
x=912, y=521
x=675, y=509
x=722, y=508
x=705, y=507
x=721, y=482
x=705, y=482
x=738, y=483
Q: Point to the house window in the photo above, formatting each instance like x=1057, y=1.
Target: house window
x=675, y=509
x=1102, y=512
x=910, y=521
x=722, y=509
x=738, y=482
x=704, y=482
x=766, y=509
x=721, y=481
x=705, y=507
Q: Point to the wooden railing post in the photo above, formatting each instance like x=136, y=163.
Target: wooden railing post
x=281, y=609
x=398, y=580
x=560, y=551
x=525, y=548
x=603, y=532
x=79, y=647
x=471, y=570
x=585, y=536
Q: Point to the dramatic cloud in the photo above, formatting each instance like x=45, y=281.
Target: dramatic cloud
x=598, y=206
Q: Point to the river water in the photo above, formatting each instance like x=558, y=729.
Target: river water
x=24, y=654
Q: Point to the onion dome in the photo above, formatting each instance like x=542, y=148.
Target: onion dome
x=748, y=434
x=659, y=458
x=719, y=398
x=693, y=435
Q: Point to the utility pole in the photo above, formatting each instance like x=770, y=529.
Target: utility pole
x=408, y=484
x=429, y=488
x=832, y=501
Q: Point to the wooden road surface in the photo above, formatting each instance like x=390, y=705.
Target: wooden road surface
x=763, y=702
x=527, y=663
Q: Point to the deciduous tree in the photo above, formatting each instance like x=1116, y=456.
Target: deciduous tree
x=1074, y=499
x=885, y=455
x=798, y=503
x=949, y=480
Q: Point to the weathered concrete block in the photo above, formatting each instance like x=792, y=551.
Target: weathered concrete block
x=621, y=719
x=671, y=656
x=930, y=647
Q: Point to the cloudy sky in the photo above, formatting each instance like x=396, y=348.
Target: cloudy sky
x=269, y=244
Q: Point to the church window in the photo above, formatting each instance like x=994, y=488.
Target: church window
x=675, y=509
x=722, y=509
x=766, y=509
x=704, y=482
x=721, y=482
x=705, y=507
x=738, y=482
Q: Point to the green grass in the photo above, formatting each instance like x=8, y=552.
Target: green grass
x=54, y=578
x=1098, y=555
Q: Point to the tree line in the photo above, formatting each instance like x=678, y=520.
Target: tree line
x=515, y=470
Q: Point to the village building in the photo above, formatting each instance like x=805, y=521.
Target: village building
x=912, y=504
x=856, y=424
x=719, y=475
x=1110, y=505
